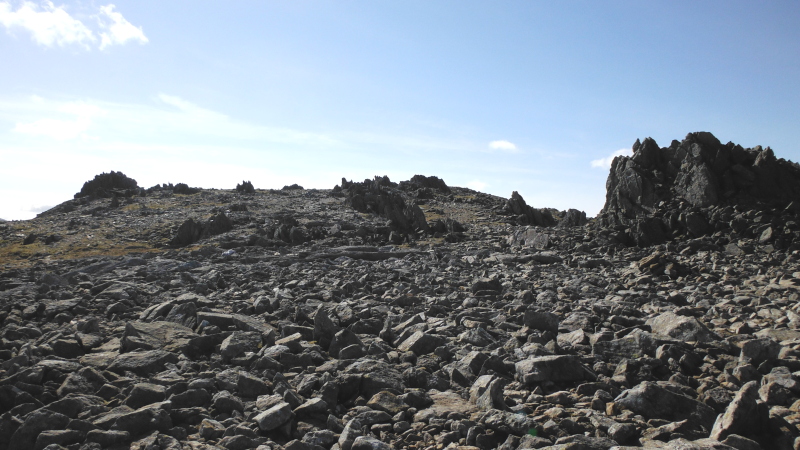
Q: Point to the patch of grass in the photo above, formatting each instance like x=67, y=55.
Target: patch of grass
x=15, y=255
x=131, y=207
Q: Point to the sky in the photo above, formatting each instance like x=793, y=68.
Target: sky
x=528, y=96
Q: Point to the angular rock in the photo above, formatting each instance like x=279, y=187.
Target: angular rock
x=680, y=327
x=744, y=416
x=143, y=362
x=552, y=368
x=274, y=417
x=656, y=402
x=421, y=343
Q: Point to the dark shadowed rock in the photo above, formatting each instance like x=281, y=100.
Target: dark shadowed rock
x=541, y=320
x=421, y=343
x=656, y=402
x=192, y=231
x=33, y=424
x=528, y=215
x=380, y=196
x=189, y=232
x=245, y=187
x=107, y=185
x=552, y=368
x=643, y=191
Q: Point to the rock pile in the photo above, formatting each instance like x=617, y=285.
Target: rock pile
x=304, y=327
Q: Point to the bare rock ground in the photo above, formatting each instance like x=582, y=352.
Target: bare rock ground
x=391, y=315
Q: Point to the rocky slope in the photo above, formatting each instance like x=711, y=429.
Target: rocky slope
x=384, y=315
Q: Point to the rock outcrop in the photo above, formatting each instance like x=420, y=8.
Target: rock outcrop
x=107, y=185
x=697, y=187
x=245, y=187
x=192, y=231
x=528, y=215
x=382, y=197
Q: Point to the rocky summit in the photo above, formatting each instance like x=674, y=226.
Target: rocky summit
x=411, y=315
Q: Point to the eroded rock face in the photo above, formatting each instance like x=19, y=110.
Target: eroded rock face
x=661, y=192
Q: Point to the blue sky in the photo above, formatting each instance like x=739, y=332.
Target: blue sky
x=496, y=96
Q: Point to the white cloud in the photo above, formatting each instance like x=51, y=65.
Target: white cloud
x=605, y=163
x=52, y=25
x=119, y=30
x=62, y=129
x=48, y=24
x=503, y=145
x=190, y=108
x=477, y=185
x=40, y=208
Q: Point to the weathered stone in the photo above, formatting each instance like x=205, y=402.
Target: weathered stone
x=744, y=415
x=656, y=402
x=33, y=424
x=142, y=362
x=539, y=320
x=274, y=417
x=552, y=368
x=144, y=394
x=421, y=343
x=240, y=342
x=680, y=327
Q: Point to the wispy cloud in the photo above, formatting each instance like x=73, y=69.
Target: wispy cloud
x=502, y=145
x=605, y=163
x=117, y=29
x=169, y=119
x=51, y=25
x=63, y=129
